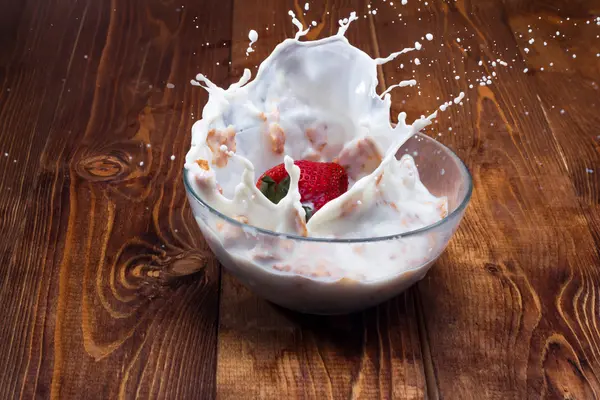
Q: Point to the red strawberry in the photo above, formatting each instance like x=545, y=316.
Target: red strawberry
x=319, y=184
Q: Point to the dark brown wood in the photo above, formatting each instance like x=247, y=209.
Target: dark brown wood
x=92, y=209
x=107, y=289
x=510, y=310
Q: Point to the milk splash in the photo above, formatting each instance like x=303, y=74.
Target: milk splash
x=312, y=100
x=253, y=37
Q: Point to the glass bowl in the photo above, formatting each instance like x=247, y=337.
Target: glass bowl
x=339, y=276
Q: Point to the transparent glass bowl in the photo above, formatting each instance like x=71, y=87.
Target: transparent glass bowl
x=317, y=281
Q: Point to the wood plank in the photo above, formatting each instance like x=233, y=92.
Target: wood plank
x=94, y=207
x=571, y=102
x=510, y=309
x=269, y=353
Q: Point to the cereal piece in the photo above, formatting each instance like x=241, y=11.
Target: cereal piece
x=241, y=218
x=311, y=155
x=361, y=158
x=265, y=256
x=203, y=164
x=302, y=270
x=317, y=141
x=232, y=235
x=359, y=249
x=301, y=226
x=215, y=139
x=321, y=271
x=442, y=208
x=282, y=268
x=277, y=138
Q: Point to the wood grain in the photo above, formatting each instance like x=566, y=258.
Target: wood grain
x=510, y=309
x=93, y=207
x=107, y=287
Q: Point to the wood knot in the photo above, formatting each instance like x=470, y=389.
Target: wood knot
x=102, y=168
x=170, y=271
x=492, y=268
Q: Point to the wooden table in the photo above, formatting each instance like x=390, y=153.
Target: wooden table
x=107, y=289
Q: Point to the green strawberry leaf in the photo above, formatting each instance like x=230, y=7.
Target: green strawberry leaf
x=274, y=191
x=282, y=189
x=309, y=212
x=277, y=191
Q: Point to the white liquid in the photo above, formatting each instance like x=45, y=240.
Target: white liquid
x=314, y=100
x=253, y=37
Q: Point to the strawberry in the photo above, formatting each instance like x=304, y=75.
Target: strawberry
x=319, y=184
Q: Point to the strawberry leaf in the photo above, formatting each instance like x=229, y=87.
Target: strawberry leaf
x=309, y=212
x=277, y=191
x=274, y=191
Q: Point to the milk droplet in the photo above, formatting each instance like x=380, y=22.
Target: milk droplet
x=417, y=61
x=460, y=97
x=170, y=85
x=306, y=6
x=253, y=37
x=429, y=37
x=173, y=158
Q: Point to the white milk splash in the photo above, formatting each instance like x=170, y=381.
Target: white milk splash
x=312, y=100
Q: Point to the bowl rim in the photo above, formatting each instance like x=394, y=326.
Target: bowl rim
x=463, y=204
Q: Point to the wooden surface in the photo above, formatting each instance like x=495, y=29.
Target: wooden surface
x=107, y=289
